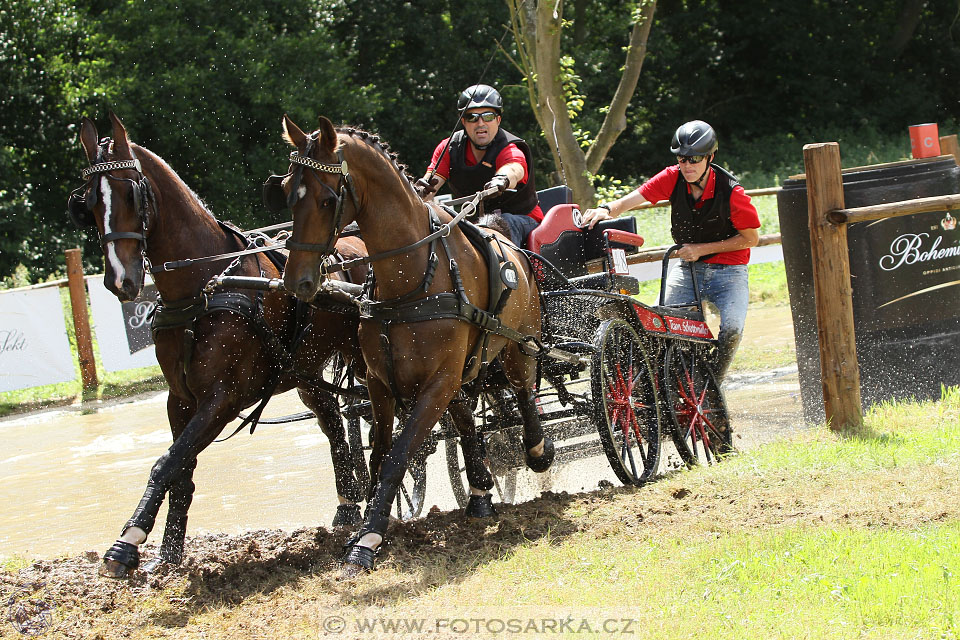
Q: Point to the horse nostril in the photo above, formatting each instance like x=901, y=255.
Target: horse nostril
x=306, y=289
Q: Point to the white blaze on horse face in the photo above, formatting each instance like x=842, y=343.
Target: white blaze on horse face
x=110, y=248
x=301, y=192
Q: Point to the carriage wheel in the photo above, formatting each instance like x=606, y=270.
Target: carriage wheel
x=496, y=443
x=626, y=404
x=698, y=413
x=413, y=489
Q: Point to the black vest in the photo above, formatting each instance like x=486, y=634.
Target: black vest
x=466, y=180
x=711, y=223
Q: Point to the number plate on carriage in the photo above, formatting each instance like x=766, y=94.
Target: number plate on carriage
x=687, y=327
x=619, y=259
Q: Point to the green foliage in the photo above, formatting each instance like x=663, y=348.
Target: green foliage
x=205, y=87
x=41, y=60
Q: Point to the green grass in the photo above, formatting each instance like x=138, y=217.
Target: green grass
x=867, y=568
x=790, y=583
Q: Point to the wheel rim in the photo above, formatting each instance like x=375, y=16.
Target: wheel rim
x=413, y=489
x=626, y=402
x=504, y=479
x=701, y=428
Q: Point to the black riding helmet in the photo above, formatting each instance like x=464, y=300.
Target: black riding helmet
x=694, y=138
x=480, y=95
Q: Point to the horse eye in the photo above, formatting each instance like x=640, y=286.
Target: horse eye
x=326, y=203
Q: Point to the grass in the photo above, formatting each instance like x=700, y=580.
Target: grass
x=822, y=537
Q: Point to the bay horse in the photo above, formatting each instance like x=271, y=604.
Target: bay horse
x=220, y=352
x=418, y=344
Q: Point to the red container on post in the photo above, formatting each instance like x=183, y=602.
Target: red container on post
x=924, y=140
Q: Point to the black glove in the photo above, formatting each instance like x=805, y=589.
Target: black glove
x=424, y=187
x=499, y=182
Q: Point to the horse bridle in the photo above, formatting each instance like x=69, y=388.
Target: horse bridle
x=273, y=188
x=142, y=197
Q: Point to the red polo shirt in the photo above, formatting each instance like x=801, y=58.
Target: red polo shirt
x=742, y=212
x=510, y=153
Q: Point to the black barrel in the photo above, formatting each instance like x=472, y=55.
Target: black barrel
x=905, y=275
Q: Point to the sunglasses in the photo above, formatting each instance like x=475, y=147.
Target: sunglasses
x=488, y=116
x=691, y=159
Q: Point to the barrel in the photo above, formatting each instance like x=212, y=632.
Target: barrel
x=905, y=278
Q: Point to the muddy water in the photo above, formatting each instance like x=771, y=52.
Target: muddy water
x=69, y=479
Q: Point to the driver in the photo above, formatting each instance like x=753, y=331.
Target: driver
x=483, y=156
x=714, y=221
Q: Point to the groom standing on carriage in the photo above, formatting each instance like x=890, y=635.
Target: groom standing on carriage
x=482, y=155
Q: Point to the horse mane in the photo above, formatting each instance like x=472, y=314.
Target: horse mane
x=136, y=148
x=381, y=146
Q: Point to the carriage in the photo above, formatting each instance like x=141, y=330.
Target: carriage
x=505, y=350
x=639, y=375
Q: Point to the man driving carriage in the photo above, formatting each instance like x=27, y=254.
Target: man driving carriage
x=482, y=155
x=714, y=220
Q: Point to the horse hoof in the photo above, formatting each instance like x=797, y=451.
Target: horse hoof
x=120, y=560
x=113, y=569
x=348, y=515
x=358, y=559
x=542, y=463
x=350, y=571
x=480, y=507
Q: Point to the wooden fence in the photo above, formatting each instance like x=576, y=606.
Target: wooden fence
x=840, y=372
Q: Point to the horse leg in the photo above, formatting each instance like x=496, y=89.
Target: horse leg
x=480, y=504
x=429, y=406
x=203, y=427
x=383, y=410
x=538, y=448
x=349, y=491
x=181, y=492
x=520, y=370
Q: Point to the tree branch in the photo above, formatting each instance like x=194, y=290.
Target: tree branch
x=615, y=121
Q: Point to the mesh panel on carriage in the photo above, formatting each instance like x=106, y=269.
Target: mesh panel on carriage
x=566, y=316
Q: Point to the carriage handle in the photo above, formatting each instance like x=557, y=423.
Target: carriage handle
x=663, y=278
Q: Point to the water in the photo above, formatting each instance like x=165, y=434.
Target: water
x=69, y=480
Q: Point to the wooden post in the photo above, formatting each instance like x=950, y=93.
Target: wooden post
x=840, y=373
x=81, y=321
x=950, y=146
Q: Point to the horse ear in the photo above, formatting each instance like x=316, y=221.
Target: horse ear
x=293, y=134
x=328, y=135
x=121, y=145
x=89, y=138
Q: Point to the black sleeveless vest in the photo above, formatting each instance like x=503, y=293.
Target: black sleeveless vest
x=710, y=224
x=465, y=180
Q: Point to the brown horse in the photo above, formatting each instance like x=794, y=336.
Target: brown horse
x=418, y=351
x=220, y=352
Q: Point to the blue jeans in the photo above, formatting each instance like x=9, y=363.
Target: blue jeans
x=726, y=287
x=520, y=227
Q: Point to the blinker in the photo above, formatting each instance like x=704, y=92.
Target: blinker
x=274, y=199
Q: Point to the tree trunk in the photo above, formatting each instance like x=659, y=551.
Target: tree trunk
x=537, y=30
x=906, y=26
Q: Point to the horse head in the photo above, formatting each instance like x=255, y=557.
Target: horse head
x=116, y=199
x=314, y=189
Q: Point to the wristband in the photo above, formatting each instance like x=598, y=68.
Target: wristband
x=605, y=206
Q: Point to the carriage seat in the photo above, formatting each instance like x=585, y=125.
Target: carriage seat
x=570, y=248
